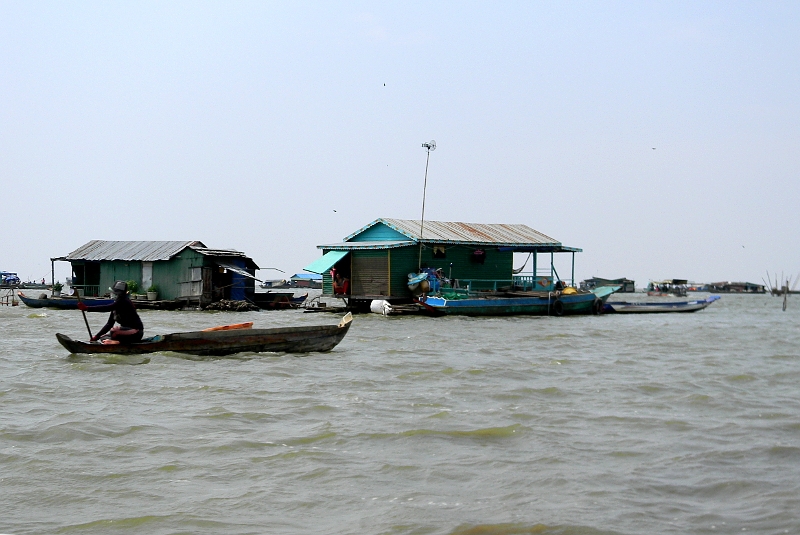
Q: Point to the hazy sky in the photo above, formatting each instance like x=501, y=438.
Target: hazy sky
x=660, y=137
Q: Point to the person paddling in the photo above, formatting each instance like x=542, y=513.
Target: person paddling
x=130, y=328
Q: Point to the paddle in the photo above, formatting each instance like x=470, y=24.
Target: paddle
x=78, y=294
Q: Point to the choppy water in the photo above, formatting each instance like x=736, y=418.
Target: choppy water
x=586, y=425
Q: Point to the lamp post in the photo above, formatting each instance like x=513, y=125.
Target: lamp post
x=430, y=146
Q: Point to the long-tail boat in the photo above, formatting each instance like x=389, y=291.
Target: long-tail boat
x=652, y=307
x=226, y=341
x=66, y=302
x=511, y=303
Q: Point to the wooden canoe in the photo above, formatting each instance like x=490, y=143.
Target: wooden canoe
x=62, y=302
x=226, y=342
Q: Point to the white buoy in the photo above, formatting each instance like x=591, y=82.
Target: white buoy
x=380, y=306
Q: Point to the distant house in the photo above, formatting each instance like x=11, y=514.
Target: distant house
x=378, y=258
x=185, y=270
x=306, y=280
x=736, y=287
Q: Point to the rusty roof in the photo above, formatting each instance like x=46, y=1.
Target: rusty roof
x=465, y=233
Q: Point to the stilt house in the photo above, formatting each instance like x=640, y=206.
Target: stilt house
x=185, y=270
x=378, y=258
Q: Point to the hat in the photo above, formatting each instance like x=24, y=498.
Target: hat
x=120, y=287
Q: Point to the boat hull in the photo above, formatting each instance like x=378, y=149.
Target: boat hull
x=550, y=305
x=226, y=342
x=660, y=308
x=61, y=302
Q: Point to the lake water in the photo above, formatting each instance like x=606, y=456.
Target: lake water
x=677, y=423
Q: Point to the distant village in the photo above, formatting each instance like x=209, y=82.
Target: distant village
x=376, y=261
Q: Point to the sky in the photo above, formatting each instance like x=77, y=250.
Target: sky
x=660, y=137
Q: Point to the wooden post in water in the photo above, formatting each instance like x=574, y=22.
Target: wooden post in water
x=785, y=295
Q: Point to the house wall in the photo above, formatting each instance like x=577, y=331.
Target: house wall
x=498, y=265
x=401, y=261
x=173, y=277
x=167, y=274
x=113, y=271
x=379, y=232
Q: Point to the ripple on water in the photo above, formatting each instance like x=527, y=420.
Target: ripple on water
x=509, y=425
x=527, y=529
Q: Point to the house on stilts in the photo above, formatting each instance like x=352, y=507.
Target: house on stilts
x=181, y=270
x=377, y=260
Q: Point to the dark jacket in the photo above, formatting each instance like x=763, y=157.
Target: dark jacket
x=122, y=312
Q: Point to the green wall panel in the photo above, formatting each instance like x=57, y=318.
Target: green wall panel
x=405, y=260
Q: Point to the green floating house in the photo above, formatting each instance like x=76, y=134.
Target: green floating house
x=378, y=258
x=183, y=270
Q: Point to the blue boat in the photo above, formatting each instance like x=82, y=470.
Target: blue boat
x=562, y=303
x=62, y=302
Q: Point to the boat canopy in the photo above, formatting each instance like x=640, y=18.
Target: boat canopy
x=326, y=262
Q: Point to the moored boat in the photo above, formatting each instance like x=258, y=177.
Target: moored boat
x=62, y=302
x=278, y=300
x=513, y=303
x=659, y=307
x=226, y=341
x=676, y=287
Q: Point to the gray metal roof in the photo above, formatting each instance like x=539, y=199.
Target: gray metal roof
x=465, y=233
x=218, y=252
x=147, y=251
x=226, y=253
x=139, y=251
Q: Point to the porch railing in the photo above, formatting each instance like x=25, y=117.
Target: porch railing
x=542, y=283
x=88, y=289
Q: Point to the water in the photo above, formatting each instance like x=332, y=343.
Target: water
x=680, y=423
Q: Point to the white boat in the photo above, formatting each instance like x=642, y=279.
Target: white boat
x=273, y=283
x=676, y=287
x=662, y=306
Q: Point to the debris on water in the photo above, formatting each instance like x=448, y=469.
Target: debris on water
x=231, y=306
x=39, y=315
x=128, y=360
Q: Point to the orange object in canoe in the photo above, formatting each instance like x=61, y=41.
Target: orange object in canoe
x=246, y=325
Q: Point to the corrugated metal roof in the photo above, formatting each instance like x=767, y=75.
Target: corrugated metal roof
x=148, y=251
x=465, y=233
x=139, y=251
x=219, y=252
x=351, y=245
x=226, y=253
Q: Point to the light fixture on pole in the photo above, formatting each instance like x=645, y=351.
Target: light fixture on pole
x=430, y=146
